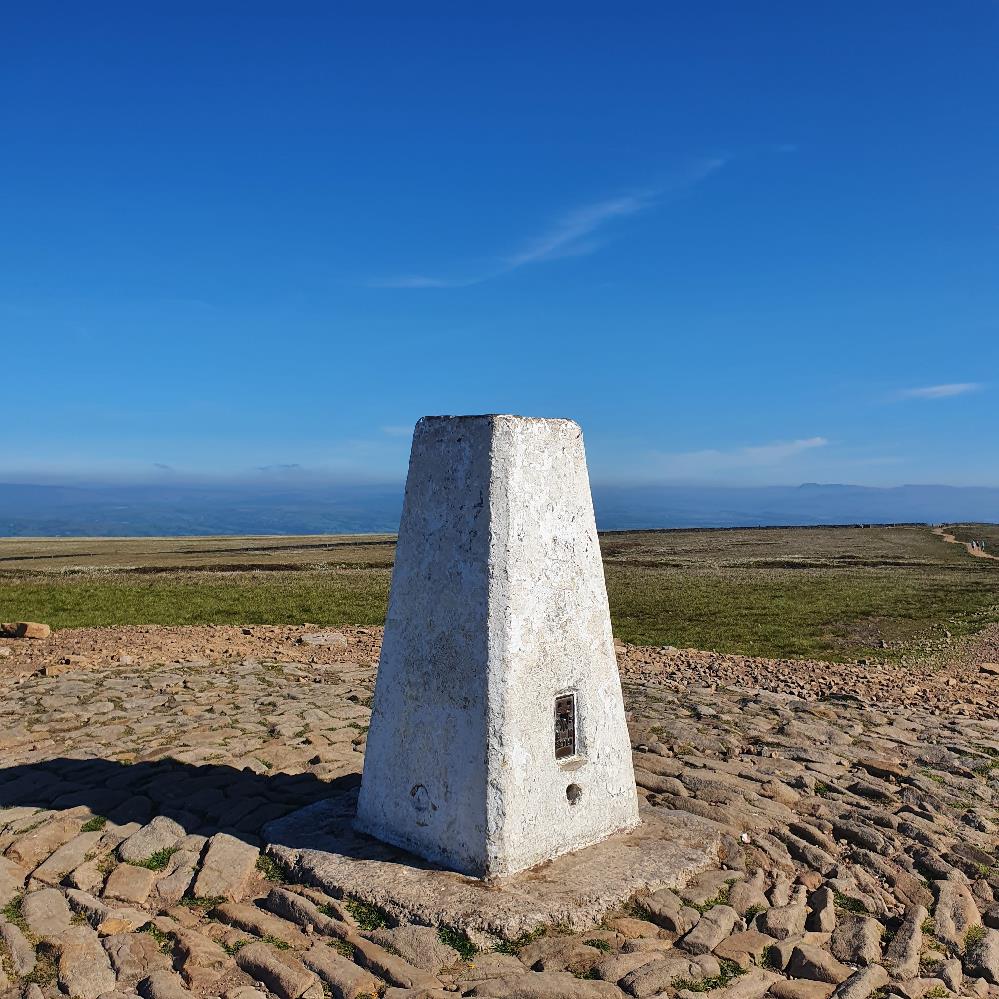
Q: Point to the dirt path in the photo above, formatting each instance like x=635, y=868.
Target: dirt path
x=976, y=552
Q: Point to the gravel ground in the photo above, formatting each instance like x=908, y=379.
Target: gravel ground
x=138, y=767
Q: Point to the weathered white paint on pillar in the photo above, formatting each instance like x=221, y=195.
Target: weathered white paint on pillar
x=498, y=608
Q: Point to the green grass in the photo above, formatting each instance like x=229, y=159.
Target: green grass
x=46, y=970
x=271, y=869
x=459, y=941
x=517, y=944
x=276, y=943
x=830, y=593
x=720, y=899
x=974, y=935
x=341, y=946
x=367, y=916
x=12, y=913
x=848, y=904
x=96, y=824
x=729, y=971
x=828, y=614
x=163, y=940
x=157, y=861
x=193, y=902
x=328, y=599
x=989, y=533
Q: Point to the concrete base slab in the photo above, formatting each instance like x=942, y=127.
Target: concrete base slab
x=319, y=845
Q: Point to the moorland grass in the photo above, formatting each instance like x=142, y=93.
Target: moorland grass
x=989, y=533
x=830, y=614
x=326, y=598
x=832, y=593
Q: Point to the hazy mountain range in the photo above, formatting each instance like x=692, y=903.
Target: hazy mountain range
x=148, y=510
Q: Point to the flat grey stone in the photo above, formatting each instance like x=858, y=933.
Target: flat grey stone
x=857, y=940
x=331, y=639
x=46, y=912
x=227, y=868
x=712, y=928
x=545, y=985
x=816, y=964
x=982, y=958
x=12, y=878
x=955, y=911
x=783, y=921
x=135, y=955
x=319, y=846
x=160, y=833
x=420, y=945
x=20, y=952
x=84, y=967
x=862, y=983
x=344, y=978
x=282, y=973
x=163, y=985
x=902, y=954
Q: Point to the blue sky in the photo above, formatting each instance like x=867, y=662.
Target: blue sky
x=739, y=242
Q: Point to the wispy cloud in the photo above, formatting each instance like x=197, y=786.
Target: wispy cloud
x=576, y=234
x=422, y=281
x=941, y=391
x=398, y=431
x=572, y=235
x=692, y=463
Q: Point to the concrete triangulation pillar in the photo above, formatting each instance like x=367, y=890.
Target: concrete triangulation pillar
x=498, y=736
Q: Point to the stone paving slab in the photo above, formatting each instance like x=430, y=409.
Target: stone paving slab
x=857, y=831
x=318, y=844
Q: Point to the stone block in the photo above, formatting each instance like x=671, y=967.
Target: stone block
x=498, y=737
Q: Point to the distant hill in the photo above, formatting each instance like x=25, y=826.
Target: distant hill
x=146, y=510
x=623, y=508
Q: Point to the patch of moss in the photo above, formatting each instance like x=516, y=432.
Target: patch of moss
x=849, y=904
x=13, y=914
x=517, y=944
x=342, y=947
x=163, y=940
x=271, y=869
x=46, y=970
x=157, y=861
x=771, y=957
x=974, y=935
x=729, y=971
x=720, y=899
x=96, y=824
x=106, y=864
x=459, y=940
x=193, y=902
x=277, y=944
x=368, y=917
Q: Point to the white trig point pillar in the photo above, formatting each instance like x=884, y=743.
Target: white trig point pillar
x=498, y=736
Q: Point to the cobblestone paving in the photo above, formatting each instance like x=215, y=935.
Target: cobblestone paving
x=860, y=853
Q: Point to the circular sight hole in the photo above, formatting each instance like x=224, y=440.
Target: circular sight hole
x=573, y=793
